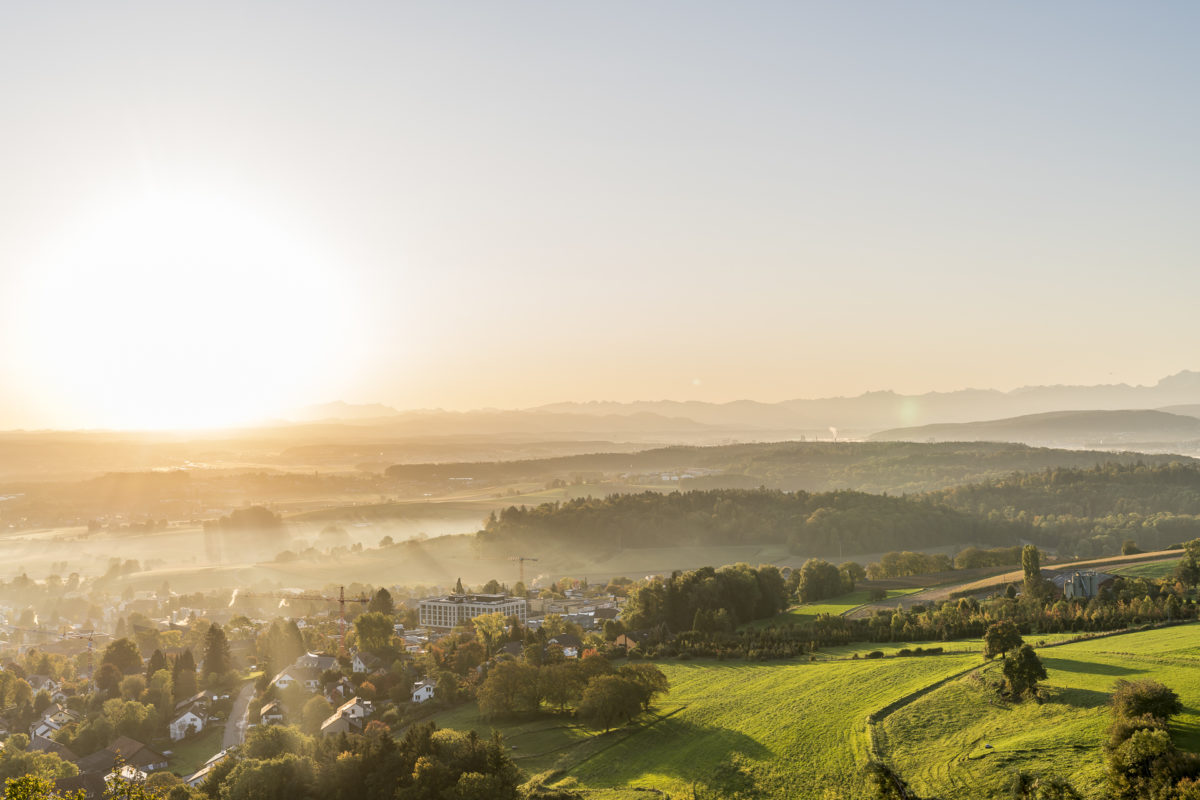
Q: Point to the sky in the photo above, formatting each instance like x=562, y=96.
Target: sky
x=212, y=213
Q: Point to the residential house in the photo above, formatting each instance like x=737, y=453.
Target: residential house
x=271, y=713
x=40, y=682
x=127, y=772
x=187, y=722
x=40, y=744
x=630, y=640
x=54, y=718
x=570, y=644
x=422, y=691
x=337, y=692
x=199, y=697
x=308, y=677
x=317, y=661
x=514, y=649
x=91, y=784
x=197, y=777
x=605, y=613
x=128, y=750
x=348, y=718
x=365, y=662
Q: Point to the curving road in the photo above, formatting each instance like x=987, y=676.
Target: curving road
x=239, y=717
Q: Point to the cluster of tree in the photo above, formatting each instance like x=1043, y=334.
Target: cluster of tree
x=138, y=700
x=686, y=599
x=828, y=523
x=281, y=763
x=1142, y=760
x=601, y=695
x=898, y=565
x=253, y=518
x=975, y=558
x=1091, y=512
x=1128, y=602
x=818, y=579
x=1022, y=672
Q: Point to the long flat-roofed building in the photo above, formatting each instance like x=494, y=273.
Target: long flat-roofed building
x=454, y=609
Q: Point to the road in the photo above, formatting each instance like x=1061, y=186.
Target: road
x=239, y=716
x=994, y=582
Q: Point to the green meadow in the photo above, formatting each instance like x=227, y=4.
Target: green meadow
x=834, y=606
x=786, y=729
x=1157, y=569
x=956, y=742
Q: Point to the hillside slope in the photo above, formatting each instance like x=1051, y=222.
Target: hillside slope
x=1100, y=428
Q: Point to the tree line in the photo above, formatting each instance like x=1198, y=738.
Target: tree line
x=820, y=524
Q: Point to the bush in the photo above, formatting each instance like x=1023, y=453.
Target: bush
x=1145, y=697
x=874, y=654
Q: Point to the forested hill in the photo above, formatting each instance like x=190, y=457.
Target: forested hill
x=892, y=467
x=1074, y=512
x=1091, y=511
x=813, y=524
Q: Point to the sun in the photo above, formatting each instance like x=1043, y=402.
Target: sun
x=185, y=309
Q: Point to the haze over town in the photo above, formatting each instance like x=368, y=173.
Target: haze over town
x=550, y=401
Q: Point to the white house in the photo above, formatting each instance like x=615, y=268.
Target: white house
x=307, y=677
x=317, y=661
x=272, y=712
x=348, y=717
x=187, y=722
x=54, y=718
x=40, y=682
x=197, y=777
x=129, y=772
x=422, y=691
x=365, y=662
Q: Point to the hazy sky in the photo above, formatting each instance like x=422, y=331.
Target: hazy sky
x=212, y=211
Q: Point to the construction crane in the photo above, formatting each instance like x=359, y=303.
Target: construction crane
x=286, y=597
x=521, y=562
x=65, y=635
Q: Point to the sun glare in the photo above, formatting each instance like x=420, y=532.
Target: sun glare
x=186, y=310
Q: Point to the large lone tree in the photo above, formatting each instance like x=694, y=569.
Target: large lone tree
x=1000, y=638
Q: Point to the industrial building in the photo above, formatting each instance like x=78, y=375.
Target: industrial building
x=454, y=609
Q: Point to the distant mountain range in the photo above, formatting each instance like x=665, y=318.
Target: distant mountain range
x=886, y=413
x=877, y=411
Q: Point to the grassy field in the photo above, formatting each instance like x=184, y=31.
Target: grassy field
x=189, y=755
x=938, y=742
x=791, y=729
x=1159, y=569
x=834, y=605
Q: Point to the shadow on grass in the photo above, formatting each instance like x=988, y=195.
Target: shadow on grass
x=1092, y=667
x=1080, y=698
x=1186, y=729
x=675, y=747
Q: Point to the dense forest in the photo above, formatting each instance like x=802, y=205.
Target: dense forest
x=1077, y=512
x=828, y=523
x=1091, y=512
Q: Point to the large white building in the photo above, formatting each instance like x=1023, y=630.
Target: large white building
x=455, y=609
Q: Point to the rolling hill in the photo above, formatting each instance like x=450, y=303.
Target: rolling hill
x=1081, y=428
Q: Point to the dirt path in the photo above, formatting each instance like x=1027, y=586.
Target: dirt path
x=939, y=593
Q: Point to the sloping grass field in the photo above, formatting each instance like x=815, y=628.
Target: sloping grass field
x=1158, y=569
x=788, y=729
x=939, y=743
x=834, y=606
